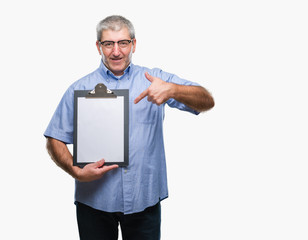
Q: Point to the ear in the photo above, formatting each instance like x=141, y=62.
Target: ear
x=134, y=45
x=98, y=47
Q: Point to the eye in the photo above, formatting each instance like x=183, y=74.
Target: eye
x=124, y=43
x=108, y=44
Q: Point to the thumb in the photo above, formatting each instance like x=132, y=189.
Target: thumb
x=149, y=77
x=99, y=163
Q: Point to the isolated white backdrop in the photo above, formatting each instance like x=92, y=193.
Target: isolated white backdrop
x=238, y=171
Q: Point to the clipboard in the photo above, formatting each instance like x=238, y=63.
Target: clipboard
x=101, y=126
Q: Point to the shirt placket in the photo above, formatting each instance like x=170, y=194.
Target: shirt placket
x=127, y=174
x=128, y=183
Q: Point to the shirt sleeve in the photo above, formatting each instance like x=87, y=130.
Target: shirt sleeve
x=172, y=78
x=61, y=125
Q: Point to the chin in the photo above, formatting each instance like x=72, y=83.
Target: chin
x=117, y=72
x=118, y=68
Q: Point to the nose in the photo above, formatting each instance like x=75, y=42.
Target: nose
x=116, y=49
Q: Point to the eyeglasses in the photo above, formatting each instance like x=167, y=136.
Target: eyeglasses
x=121, y=43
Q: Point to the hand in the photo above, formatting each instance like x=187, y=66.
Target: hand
x=93, y=171
x=158, y=92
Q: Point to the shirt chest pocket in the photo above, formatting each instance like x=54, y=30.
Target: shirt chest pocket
x=145, y=112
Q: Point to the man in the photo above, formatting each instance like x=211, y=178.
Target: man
x=108, y=195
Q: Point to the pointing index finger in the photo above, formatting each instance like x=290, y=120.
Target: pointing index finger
x=141, y=96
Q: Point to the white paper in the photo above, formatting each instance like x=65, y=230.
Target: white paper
x=100, y=129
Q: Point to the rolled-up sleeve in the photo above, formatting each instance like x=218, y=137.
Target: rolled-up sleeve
x=172, y=78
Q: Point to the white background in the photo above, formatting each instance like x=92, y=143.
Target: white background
x=238, y=171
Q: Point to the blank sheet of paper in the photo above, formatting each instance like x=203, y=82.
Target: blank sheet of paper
x=100, y=129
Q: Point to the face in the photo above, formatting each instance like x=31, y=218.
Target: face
x=116, y=59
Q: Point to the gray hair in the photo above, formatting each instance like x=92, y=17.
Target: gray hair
x=114, y=23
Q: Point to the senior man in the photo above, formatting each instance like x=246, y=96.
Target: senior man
x=106, y=196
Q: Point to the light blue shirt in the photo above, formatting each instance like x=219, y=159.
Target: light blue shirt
x=144, y=182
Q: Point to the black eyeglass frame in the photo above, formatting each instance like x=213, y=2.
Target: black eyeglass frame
x=113, y=42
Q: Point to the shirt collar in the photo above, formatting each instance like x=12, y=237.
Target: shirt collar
x=107, y=74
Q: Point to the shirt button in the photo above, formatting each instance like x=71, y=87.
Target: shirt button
x=125, y=171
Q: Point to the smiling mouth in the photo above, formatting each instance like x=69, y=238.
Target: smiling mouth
x=116, y=59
